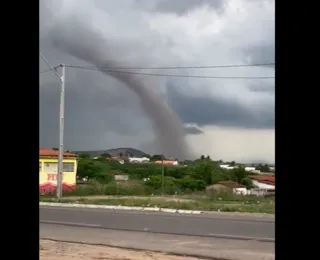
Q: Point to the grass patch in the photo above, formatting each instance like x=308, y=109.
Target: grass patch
x=249, y=204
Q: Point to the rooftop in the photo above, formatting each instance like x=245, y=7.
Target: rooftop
x=267, y=179
x=165, y=162
x=48, y=152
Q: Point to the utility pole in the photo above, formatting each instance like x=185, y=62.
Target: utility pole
x=162, y=176
x=61, y=133
x=61, y=123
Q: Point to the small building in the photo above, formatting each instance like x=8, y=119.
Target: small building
x=121, y=177
x=262, y=192
x=227, y=167
x=236, y=187
x=249, y=169
x=138, y=160
x=266, y=182
x=228, y=186
x=48, y=169
x=167, y=162
x=256, y=171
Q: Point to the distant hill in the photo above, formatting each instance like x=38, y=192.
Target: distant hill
x=114, y=152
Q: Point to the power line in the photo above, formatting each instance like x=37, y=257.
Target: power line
x=49, y=65
x=182, y=67
x=42, y=72
x=164, y=75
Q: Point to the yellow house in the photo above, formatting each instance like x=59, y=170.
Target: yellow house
x=48, y=169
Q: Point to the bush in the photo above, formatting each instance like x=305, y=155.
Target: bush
x=191, y=184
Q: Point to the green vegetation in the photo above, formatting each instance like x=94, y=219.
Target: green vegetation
x=182, y=187
x=196, y=176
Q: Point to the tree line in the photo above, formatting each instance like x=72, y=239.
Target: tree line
x=195, y=176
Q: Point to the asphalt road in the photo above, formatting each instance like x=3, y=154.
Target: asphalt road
x=206, y=225
x=199, y=247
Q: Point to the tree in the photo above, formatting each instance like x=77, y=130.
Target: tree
x=103, y=177
x=105, y=155
x=247, y=182
x=88, y=168
x=157, y=157
x=155, y=182
x=219, y=175
x=263, y=168
x=84, y=155
x=191, y=184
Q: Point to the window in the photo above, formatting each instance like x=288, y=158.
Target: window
x=53, y=167
x=50, y=167
x=68, y=167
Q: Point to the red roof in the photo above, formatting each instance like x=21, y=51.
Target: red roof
x=166, y=162
x=54, y=153
x=267, y=179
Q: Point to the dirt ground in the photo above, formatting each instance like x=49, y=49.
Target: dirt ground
x=50, y=250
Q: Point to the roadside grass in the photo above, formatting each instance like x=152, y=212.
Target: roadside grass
x=227, y=203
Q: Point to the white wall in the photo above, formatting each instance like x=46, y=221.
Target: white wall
x=256, y=171
x=139, y=160
x=240, y=191
x=227, y=167
x=263, y=185
x=249, y=169
x=258, y=192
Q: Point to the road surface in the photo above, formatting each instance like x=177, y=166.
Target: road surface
x=199, y=247
x=204, y=225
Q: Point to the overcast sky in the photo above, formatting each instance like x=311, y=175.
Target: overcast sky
x=234, y=117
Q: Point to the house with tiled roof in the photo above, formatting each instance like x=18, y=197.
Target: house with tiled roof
x=48, y=170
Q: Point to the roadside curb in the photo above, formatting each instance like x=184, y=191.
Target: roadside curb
x=92, y=206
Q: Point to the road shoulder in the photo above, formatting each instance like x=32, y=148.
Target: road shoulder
x=176, y=244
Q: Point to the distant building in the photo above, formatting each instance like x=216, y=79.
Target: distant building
x=227, y=167
x=256, y=171
x=167, y=162
x=228, y=186
x=121, y=177
x=138, y=160
x=236, y=187
x=249, y=169
x=266, y=182
x=261, y=192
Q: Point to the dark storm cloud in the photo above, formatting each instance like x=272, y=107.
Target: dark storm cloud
x=262, y=54
x=92, y=111
x=216, y=111
x=192, y=130
x=262, y=87
x=98, y=107
x=183, y=6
